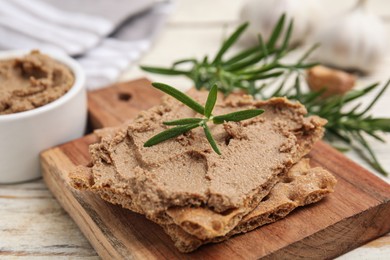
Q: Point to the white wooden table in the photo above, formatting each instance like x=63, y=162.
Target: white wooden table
x=32, y=223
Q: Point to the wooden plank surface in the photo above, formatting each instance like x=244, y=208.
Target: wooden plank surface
x=356, y=213
x=114, y=105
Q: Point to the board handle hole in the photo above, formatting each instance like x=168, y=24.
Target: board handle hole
x=123, y=96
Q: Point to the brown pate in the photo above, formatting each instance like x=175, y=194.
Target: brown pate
x=32, y=81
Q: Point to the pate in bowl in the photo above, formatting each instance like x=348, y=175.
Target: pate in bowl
x=42, y=104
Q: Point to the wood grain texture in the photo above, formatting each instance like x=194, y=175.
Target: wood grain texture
x=356, y=213
x=34, y=226
x=118, y=103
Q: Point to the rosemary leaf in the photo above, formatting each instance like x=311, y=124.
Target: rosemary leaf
x=252, y=60
x=263, y=47
x=266, y=76
x=262, y=69
x=184, y=121
x=279, y=89
x=276, y=32
x=379, y=124
x=237, y=116
x=307, y=53
x=242, y=55
x=193, y=61
x=210, y=139
x=170, y=133
x=229, y=42
x=299, y=66
x=372, y=159
x=355, y=94
x=313, y=96
x=211, y=99
x=377, y=137
x=180, y=96
x=164, y=71
x=376, y=98
x=286, y=39
x=341, y=149
x=354, y=109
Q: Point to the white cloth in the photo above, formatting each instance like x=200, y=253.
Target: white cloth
x=106, y=36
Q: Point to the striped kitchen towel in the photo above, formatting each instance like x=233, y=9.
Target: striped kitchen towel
x=106, y=36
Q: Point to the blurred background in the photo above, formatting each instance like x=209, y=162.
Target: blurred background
x=196, y=28
x=110, y=38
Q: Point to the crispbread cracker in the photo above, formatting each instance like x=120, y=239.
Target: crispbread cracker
x=302, y=186
x=212, y=195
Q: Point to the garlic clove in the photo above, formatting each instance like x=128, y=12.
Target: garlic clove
x=263, y=15
x=335, y=82
x=355, y=41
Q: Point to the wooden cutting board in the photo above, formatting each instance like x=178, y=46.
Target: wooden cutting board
x=357, y=212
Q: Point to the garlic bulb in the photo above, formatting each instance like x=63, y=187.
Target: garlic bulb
x=356, y=40
x=263, y=15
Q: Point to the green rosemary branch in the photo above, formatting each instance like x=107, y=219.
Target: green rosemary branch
x=243, y=69
x=255, y=69
x=186, y=124
x=351, y=126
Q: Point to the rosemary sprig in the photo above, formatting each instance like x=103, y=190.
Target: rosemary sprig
x=186, y=124
x=255, y=69
x=351, y=126
x=243, y=69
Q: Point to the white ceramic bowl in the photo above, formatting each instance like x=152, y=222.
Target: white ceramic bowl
x=24, y=135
